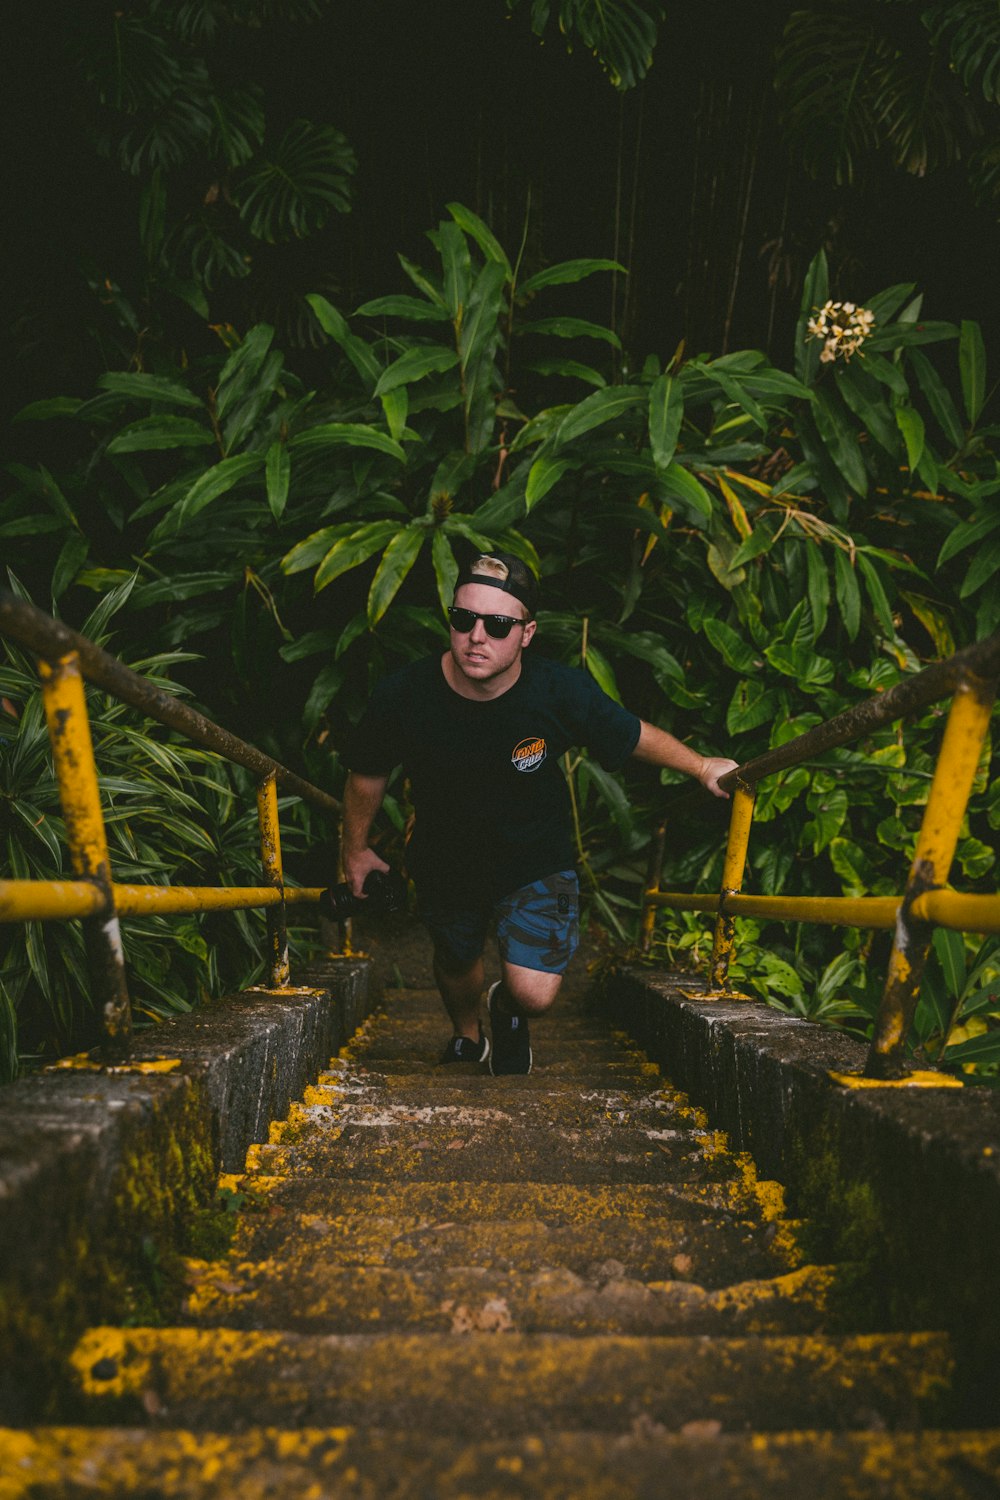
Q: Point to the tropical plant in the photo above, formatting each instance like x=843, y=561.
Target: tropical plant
x=915, y=81
x=621, y=34
x=734, y=550
x=173, y=813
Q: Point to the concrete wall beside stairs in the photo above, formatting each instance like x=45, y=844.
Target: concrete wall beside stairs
x=107, y=1175
x=905, y=1182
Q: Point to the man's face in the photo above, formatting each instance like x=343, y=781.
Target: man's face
x=477, y=655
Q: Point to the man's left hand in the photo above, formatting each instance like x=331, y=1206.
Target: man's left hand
x=714, y=766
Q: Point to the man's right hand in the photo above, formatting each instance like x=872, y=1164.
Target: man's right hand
x=358, y=866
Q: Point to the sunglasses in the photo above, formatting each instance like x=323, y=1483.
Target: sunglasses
x=497, y=627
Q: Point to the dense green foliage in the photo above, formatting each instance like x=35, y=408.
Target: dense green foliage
x=734, y=549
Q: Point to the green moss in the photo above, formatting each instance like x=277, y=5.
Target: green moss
x=842, y=1225
x=126, y=1268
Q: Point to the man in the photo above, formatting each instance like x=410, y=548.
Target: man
x=480, y=731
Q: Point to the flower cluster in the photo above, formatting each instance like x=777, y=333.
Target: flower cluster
x=842, y=326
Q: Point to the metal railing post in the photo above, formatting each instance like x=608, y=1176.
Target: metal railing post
x=958, y=759
x=76, y=775
x=654, y=872
x=270, y=853
x=740, y=821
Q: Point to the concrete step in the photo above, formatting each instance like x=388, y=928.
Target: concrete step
x=366, y=1105
x=711, y=1255
x=750, y=1202
x=647, y=1463
x=422, y=1079
x=305, y=1293
x=549, y=1062
x=504, y=1385
x=476, y=1151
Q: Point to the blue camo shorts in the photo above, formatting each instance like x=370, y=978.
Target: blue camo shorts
x=537, y=926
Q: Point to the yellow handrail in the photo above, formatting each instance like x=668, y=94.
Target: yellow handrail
x=65, y=659
x=970, y=677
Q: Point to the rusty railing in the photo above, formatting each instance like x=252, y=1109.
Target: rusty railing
x=970, y=679
x=65, y=660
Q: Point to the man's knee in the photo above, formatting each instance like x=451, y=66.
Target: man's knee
x=531, y=990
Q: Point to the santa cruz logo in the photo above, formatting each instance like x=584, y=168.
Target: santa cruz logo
x=528, y=755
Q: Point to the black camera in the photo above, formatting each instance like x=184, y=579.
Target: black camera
x=385, y=890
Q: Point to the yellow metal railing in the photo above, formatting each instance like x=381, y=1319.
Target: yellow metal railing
x=65, y=661
x=970, y=679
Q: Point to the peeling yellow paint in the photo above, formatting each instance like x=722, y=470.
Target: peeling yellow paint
x=82, y=1062
x=920, y=1079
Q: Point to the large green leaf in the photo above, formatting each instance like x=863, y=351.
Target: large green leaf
x=423, y=282
x=972, y=368
x=666, y=413
x=911, y=425
x=397, y=560
x=216, y=481
x=349, y=434
x=677, y=483
x=414, y=365
x=150, y=434
x=968, y=533
x=335, y=324
x=482, y=234
x=818, y=580
x=141, y=387
x=848, y=593
x=411, y=308
x=603, y=673
x=734, y=649
x=312, y=549
x=903, y=335
x=445, y=567
x=456, y=264
x=840, y=439
x=545, y=472
x=815, y=291
x=984, y=569
x=242, y=368
x=566, y=271
x=278, y=470
x=603, y=406
x=350, y=551
x=866, y=399
x=55, y=406
x=737, y=393
x=938, y=396
x=573, y=369
x=570, y=328
x=478, y=342
x=877, y=595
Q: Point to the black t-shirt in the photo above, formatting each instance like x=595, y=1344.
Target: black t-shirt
x=491, y=803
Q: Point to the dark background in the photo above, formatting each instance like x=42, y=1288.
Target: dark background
x=686, y=179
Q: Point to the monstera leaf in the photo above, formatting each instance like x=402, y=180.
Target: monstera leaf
x=854, y=80
x=620, y=33
x=291, y=190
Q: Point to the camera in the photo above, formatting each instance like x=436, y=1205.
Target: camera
x=385, y=890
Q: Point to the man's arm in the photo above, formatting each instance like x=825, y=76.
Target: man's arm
x=658, y=748
x=362, y=800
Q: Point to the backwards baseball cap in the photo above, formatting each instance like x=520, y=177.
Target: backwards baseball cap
x=502, y=570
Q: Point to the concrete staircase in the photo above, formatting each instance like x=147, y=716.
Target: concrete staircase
x=449, y=1285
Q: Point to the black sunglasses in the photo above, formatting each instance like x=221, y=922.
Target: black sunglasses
x=498, y=627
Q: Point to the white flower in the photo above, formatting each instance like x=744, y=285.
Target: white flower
x=843, y=327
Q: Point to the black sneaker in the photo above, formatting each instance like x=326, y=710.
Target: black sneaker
x=511, y=1040
x=462, y=1049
